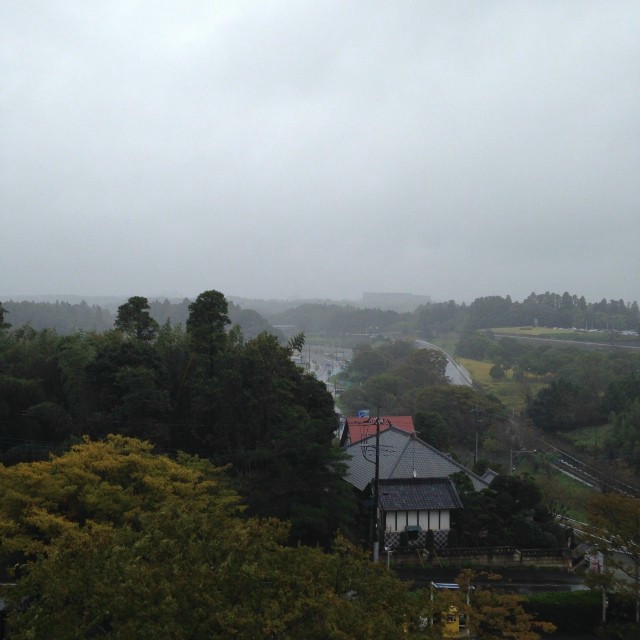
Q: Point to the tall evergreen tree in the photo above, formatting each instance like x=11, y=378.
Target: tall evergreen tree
x=133, y=319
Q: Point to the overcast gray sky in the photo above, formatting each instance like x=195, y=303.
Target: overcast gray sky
x=280, y=147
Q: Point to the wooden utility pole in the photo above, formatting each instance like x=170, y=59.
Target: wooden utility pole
x=376, y=488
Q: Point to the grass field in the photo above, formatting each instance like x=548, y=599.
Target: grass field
x=513, y=394
x=599, y=337
x=559, y=488
x=588, y=438
x=533, y=331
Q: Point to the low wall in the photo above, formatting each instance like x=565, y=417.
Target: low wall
x=484, y=557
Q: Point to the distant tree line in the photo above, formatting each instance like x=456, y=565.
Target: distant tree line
x=553, y=310
x=350, y=323
x=66, y=318
x=548, y=309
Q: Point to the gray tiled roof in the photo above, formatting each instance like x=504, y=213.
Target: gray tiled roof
x=400, y=455
x=489, y=475
x=414, y=494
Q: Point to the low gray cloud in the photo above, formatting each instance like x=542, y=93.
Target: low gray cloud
x=320, y=149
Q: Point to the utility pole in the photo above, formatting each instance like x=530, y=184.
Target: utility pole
x=476, y=411
x=374, y=531
x=376, y=484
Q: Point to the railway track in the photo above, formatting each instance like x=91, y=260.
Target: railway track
x=585, y=473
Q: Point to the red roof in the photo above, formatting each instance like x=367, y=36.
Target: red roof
x=360, y=428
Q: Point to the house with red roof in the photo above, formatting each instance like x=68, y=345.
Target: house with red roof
x=358, y=429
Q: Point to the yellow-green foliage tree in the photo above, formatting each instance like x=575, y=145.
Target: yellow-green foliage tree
x=615, y=532
x=112, y=541
x=489, y=614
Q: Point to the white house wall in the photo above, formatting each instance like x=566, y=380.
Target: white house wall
x=434, y=520
x=390, y=521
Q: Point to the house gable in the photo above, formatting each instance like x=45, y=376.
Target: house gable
x=402, y=455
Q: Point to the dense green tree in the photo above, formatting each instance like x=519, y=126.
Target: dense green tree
x=558, y=407
x=127, y=391
x=133, y=319
x=177, y=364
x=438, y=318
x=112, y=541
x=278, y=434
x=623, y=440
x=353, y=399
x=476, y=346
x=622, y=392
x=367, y=362
x=508, y=351
x=488, y=312
x=383, y=390
x=206, y=325
x=422, y=368
x=465, y=410
x=73, y=356
x=615, y=526
x=297, y=342
x=390, y=376
x=509, y=512
x=3, y=325
x=30, y=387
x=497, y=373
x=433, y=429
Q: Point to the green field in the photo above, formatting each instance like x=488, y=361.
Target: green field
x=558, y=488
x=599, y=337
x=512, y=393
x=589, y=439
x=533, y=331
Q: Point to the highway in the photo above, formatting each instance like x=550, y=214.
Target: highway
x=324, y=361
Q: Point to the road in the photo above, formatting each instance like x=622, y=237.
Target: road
x=325, y=361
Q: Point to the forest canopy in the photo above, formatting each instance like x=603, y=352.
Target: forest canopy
x=110, y=540
x=207, y=391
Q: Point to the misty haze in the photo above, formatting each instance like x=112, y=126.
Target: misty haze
x=320, y=150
